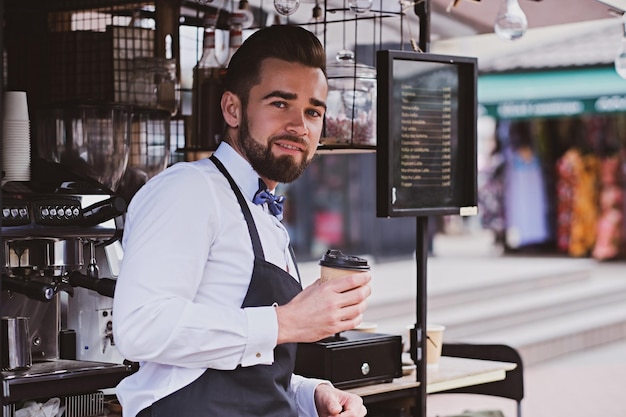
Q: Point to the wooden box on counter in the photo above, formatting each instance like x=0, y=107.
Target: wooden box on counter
x=352, y=359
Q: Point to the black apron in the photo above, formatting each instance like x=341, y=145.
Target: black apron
x=260, y=390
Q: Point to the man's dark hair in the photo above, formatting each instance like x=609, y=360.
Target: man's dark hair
x=288, y=43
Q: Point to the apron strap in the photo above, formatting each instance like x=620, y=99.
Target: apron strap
x=293, y=257
x=254, y=233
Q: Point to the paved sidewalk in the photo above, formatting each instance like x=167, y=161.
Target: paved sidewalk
x=587, y=384
x=590, y=383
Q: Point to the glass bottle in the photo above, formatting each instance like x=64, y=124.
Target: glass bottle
x=207, y=120
x=168, y=88
x=235, y=37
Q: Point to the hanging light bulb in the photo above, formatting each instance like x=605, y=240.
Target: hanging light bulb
x=620, y=58
x=248, y=17
x=511, y=23
x=286, y=7
x=218, y=4
x=316, y=23
x=360, y=6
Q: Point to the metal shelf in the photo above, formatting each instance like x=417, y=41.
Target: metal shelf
x=59, y=378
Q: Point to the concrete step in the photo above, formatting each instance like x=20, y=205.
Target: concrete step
x=477, y=283
x=488, y=278
x=559, y=336
x=486, y=290
x=519, y=308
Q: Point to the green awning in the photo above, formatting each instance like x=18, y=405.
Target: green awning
x=552, y=93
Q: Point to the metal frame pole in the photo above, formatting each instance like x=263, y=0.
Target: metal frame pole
x=421, y=257
x=422, y=10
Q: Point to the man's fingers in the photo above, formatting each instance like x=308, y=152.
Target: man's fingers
x=348, y=282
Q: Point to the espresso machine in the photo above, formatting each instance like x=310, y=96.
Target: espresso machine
x=55, y=237
x=61, y=236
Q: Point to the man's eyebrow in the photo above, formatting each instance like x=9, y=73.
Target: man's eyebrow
x=285, y=95
x=281, y=94
x=318, y=103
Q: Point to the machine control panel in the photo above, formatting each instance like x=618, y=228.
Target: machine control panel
x=15, y=212
x=48, y=212
x=59, y=211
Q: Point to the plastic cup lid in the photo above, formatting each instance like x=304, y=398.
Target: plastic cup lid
x=334, y=258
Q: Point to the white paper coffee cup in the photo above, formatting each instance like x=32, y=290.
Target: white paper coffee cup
x=15, y=106
x=434, y=342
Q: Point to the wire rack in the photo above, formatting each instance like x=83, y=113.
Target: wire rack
x=67, y=53
x=62, y=51
x=84, y=50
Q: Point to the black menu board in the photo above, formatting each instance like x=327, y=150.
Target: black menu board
x=426, y=133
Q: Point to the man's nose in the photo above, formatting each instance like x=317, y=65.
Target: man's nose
x=297, y=124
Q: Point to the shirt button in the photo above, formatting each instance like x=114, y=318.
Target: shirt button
x=258, y=354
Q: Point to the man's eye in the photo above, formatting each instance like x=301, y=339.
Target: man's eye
x=314, y=113
x=279, y=104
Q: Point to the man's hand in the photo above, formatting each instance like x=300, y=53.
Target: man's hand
x=331, y=402
x=324, y=309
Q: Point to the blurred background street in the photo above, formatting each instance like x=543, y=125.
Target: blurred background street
x=565, y=315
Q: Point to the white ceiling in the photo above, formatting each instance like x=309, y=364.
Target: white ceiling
x=468, y=18
x=480, y=15
x=466, y=29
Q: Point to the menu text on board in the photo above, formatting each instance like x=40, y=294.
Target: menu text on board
x=425, y=136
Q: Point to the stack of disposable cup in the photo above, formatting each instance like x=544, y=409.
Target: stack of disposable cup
x=15, y=137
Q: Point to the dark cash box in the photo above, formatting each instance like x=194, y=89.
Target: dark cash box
x=353, y=359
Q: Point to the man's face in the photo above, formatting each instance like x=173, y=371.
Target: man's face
x=282, y=122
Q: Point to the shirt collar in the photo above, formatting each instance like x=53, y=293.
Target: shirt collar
x=240, y=169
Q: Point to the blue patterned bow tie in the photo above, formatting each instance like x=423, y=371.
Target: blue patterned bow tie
x=274, y=203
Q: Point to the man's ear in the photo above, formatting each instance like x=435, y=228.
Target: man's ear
x=231, y=109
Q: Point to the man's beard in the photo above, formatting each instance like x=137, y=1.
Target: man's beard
x=283, y=168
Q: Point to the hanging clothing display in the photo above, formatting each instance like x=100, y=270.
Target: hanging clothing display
x=577, y=205
x=557, y=185
x=525, y=200
x=610, y=221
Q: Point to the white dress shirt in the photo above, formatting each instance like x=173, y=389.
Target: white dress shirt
x=187, y=265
